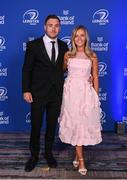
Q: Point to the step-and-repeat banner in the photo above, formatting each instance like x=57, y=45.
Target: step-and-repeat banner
x=22, y=21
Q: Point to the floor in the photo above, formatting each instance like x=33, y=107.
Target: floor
x=107, y=160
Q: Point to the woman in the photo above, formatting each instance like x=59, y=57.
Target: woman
x=80, y=111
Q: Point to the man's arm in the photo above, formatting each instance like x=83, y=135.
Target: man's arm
x=27, y=74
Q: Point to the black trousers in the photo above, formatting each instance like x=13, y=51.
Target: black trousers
x=52, y=105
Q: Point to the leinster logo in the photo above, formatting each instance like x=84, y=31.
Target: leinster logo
x=3, y=94
x=103, y=115
x=1, y=19
x=101, y=17
x=2, y=42
x=102, y=68
x=30, y=17
x=67, y=39
x=28, y=118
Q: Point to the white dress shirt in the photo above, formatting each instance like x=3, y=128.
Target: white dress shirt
x=48, y=45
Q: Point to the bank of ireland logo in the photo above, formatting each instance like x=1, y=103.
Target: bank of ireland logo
x=28, y=117
x=31, y=17
x=103, y=116
x=66, y=19
x=101, y=17
x=65, y=12
x=102, y=69
x=102, y=95
x=3, y=71
x=4, y=119
x=67, y=39
x=99, y=45
x=2, y=42
x=3, y=94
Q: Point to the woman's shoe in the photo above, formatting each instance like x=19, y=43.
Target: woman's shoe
x=75, y=163
x=82, y=171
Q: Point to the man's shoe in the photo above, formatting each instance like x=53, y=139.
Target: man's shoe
x=30, y=164
x=52, y=163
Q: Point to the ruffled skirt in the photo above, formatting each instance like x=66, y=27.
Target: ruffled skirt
x=80, y=114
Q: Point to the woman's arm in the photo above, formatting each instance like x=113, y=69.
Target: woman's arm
x=95, y=74
x=65, y=61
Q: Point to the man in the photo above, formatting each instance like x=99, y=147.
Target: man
x=42, y=80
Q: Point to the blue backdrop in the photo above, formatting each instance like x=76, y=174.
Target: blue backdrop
x=22, y=21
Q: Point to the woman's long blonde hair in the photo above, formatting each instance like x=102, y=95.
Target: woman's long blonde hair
x=87, y=49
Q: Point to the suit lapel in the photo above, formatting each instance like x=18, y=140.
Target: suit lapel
x=43, y=50
x=59, y=51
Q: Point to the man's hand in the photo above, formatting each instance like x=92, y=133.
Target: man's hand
x=28, y=97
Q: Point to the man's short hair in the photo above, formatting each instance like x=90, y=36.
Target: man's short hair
x=51, y=16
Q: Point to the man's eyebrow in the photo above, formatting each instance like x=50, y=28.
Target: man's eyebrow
x=51, y=24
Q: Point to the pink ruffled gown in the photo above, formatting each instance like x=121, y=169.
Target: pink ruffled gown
x=80, y=111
